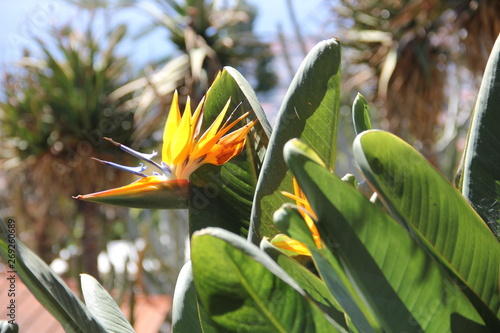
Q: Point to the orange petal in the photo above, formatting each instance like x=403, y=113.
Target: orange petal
x=221, y=153
x=153, y=192
x=206, y=142
x=306, y=210
x=301, y=202
x=211, y=135
x=228, y=146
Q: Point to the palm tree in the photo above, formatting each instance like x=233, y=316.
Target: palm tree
x=409, y=47
x=208, y=36
x=59, y=105
x=53, y=116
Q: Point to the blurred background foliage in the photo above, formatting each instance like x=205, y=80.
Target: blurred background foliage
x=55, y=112
x=206, y=35
x=74, y=87
x=417, y=61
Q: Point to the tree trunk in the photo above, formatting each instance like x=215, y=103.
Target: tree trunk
x=91, y=239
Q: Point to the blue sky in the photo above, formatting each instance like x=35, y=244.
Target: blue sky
x=20, y=20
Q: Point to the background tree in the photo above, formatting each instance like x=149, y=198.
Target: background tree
x=53, y=116
x=75, y=89
x=207, y=35
x=412, y=54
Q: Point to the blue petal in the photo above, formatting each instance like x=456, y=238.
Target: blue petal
x=139, y=155
x=134, y=170
x=166, y=168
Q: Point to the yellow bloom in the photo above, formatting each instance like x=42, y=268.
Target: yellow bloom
x=290, y=244
x=184, y=150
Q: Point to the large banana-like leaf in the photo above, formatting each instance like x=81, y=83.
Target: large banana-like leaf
x=481, y=162
x=331, y=271
x=308, y=281
x=45, y=285
x=436, y=213
x=187, y=316
x=400, y=281
x=103, y=306
x=309, y=112
x=6, y=327
x=244, y=290
x=222, y=195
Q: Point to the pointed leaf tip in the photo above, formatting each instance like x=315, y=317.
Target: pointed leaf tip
x=361, y=114
x=103, y=307
x=310, y=112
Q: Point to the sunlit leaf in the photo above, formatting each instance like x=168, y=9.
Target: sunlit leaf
x=421, y=199
x=103, y=307
x=45, y=285
x=187, y=316
x=243, y=289
x=398, y=279
x=6, y=327
x=481, y=162
x=331, y=271
x=361, y=114
x=308, y=281
x=309, y=112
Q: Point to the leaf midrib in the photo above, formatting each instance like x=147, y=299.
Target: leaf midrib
x=265, y=310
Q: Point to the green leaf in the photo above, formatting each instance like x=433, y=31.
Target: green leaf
x=250, y=97
x=361, y=114
x=309, y=112
x=401, y=283
x=6, y=327
x=44, y=284
x=308, y=281
x=421, y=199
x=330, y=270
x=225, y=193
x=481, y=162
x=187, y=316
x=103, y=307
x=244, y=290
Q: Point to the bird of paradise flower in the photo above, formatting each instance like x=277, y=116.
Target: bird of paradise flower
x=184, y=150
x=289, y=244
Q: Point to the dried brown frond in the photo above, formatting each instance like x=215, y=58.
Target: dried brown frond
x=481, y=21
x=420, y=41
x=415, y=94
